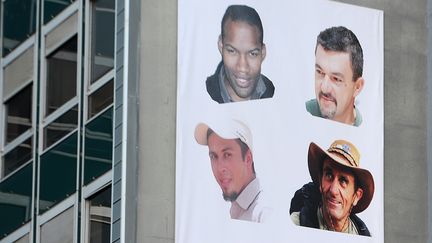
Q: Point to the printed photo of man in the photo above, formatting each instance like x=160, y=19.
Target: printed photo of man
x=231, y=157
x=339, y=190
x=238, y=76
x=338, y=76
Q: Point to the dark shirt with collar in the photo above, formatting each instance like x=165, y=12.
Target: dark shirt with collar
x=216, y=87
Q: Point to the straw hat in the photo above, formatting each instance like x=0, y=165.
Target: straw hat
x=345, y=154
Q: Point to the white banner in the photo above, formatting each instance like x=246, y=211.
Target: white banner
x=298, y=87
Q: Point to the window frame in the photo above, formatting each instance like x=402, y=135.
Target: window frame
x=45, y=120
x=90, y=88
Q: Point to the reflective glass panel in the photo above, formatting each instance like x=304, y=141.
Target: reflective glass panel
x=19, y=22
x=61, y=75
x=58, y=168
x=61, y=127
x=102, y=43
x=19, y=113
x=101, y=98
x=17, y=157
x=98, y=146
x=53, y=7
x=16, y=200
x=100, y=216
x=60, y=229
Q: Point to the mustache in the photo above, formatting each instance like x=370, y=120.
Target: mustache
x=327, y=96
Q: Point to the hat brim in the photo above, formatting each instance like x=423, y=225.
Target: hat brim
x=201, y=133
x=316, y=157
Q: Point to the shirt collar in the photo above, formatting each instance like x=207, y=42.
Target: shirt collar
x=249, y=194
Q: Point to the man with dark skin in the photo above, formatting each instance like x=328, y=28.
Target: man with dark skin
x=238, y=76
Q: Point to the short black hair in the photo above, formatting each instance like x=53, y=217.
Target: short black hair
x=243, y=13
x=341, y=39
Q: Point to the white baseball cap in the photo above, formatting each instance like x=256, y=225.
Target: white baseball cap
x=226, y=129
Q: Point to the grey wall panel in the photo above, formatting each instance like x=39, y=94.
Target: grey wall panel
x=156, y=192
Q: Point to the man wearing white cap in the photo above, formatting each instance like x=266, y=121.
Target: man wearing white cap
x=230, y=152
x=340, y=189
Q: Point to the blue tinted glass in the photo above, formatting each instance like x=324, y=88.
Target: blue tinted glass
x=103, y=14
x=16, y=200
x=17, y=157
x=98, y=146
x=58, y=171
x=19, y=22
x=53, y=7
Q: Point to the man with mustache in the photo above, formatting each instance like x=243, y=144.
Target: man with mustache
x=340, y=189
x=238, y=76
x=230, y=151
x=338, y=76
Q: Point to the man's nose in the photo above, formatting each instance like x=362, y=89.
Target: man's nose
x=326, y=84
x=334, y=187
x=242, y=63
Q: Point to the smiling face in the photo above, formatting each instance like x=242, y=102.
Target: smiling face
x=232, y=171
x=242, y=55
x=339, y=194
x=335, y=89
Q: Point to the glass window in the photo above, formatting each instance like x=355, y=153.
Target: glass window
x=17, y=157
x=98, y=146
x=61, y=75
x=100, y=216
x=59, y=229
x=19, y=23
x=19, y=113
x=16, y=200
x=101, y=98
x=53, y=7
x=102, y=47
x=58, y=168
x=62, y=126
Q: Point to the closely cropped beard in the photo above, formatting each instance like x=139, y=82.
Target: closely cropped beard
x=230, y=197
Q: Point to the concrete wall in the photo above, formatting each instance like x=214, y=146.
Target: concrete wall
x=405, y=107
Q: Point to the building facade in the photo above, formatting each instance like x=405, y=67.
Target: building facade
x=88, y=91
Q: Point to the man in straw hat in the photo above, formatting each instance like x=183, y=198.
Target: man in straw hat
x=230, y=152
x=340, y=189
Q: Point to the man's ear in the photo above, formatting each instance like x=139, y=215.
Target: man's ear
x=249, y=157
x=263, y=52
x=357, y=196
x=220, y=44
x=358, y=86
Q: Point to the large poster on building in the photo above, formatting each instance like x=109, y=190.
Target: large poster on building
x=279, y=122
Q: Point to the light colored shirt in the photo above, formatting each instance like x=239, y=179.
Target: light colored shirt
x=247, y=206
x=351, y=229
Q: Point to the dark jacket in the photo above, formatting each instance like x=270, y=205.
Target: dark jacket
x=307, y=200
x=214, y=89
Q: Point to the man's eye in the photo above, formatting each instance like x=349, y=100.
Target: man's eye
x=319, y=72
x=343, y=181
x=229, y=50
x=337, y=79
x=227, y=155
x=254, y=53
